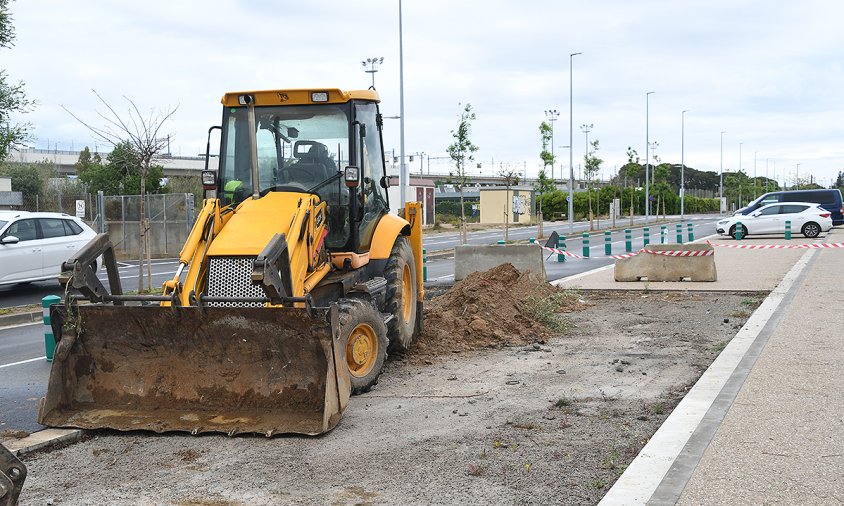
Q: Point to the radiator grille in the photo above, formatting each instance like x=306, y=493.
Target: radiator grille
x=229, y=277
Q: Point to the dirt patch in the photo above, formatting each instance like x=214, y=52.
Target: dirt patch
x=521, y=422
x=498, y=307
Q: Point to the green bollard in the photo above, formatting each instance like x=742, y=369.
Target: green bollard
x=787, y=230
x=691, y=232
x=662, y=234
x=607, y=242
x=561, y=244
x=628, y=241
x=739, y=231
x=424, y=264
x=586, y=244
x=679, y=233
x=49, y=338
x=501, y=242
x=533, y=240
x=647, y=238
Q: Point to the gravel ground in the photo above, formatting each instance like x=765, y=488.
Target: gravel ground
x=551, y=422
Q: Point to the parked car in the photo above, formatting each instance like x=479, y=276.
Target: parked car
x=828, y=199
x=808, y=218
x=34, y=245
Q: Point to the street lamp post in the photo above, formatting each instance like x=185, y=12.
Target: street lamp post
x=571, y=143
x=754, y=173
x=647, y=160
x=373, y=67
x=682, y=164
x=404, y=172
x=721, y=177
x=552, y=115
x=797, y=177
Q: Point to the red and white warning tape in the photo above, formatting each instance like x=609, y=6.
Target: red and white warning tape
x=780, y=246
x=673, y=253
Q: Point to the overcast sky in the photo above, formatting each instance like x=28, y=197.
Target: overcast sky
x=769, y=73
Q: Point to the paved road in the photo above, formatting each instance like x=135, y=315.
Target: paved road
x=23, y=376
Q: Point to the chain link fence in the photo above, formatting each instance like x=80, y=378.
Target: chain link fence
x=170, y=215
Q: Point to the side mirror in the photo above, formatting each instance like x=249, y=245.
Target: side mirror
x=9, y=239
x=385, y=182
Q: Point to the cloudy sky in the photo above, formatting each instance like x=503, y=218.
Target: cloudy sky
x=768, y=73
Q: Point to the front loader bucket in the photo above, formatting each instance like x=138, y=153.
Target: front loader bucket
x=210, y=369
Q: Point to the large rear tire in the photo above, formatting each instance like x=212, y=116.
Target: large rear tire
x=401, y=295
x=363, y=331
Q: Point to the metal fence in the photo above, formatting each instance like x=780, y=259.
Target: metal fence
x=60, y=203
x=170, y=215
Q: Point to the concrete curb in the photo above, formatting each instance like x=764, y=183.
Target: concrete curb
x=43, y=439
x=8, y=320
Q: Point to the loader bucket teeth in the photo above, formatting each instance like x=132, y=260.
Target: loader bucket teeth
x=212, y=369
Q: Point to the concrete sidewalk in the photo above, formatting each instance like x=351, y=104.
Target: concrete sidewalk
x=765, y=423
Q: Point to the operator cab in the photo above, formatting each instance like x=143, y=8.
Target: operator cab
x=302, y=142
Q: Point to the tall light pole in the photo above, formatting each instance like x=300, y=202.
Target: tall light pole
x=766, y=175
x=721, y=177
x=797, y=177
x=647, y=160
x=552, y=116
x=571, y=143
x=373, y=67
x=682, y=164
x=754, y=174
x=404, y=173
x=586, y=129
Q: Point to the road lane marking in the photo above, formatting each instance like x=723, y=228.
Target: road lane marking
x=23, y=362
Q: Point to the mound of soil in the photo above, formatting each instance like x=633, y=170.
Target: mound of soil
x=487, y=310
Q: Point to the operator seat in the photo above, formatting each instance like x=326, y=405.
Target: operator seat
x=311, y=158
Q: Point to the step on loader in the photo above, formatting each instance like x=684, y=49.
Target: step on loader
x=291, y=287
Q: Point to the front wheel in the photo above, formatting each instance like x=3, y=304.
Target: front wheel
x=811, y=230
x=363, y=331
x=401, y=295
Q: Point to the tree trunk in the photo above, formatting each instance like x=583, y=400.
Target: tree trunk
x=141, y=240
x=462, y=218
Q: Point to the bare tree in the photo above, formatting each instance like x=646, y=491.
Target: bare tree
x=144, y=134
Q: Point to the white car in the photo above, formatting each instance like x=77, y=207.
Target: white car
x=34, y=245
x=806, y=218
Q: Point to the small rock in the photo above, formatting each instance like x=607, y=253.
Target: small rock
x=625, y=362
x=619, y=369
x=451, y=378
x=512, y=382
x=561, y=371
x=726, y=320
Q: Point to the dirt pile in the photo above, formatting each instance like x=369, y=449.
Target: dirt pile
x=489, y=309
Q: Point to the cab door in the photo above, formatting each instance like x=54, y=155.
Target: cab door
x=21, y=261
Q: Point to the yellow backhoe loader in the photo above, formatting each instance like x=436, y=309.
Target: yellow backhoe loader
x=292, y=285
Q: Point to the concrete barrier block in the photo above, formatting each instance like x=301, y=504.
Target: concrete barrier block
x=655, y=267
x=470, y=258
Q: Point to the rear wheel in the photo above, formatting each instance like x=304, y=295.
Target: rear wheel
x=811, y=229
x=365, y=336
x=401, y=295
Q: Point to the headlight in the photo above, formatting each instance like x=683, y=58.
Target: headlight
x=723, y=222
